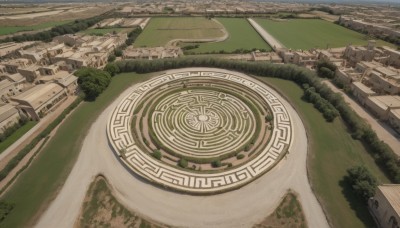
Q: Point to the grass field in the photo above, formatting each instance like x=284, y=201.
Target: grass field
x=241, y=36
x=313, y=33
x=16, y=135
x=332, y=151
x=161, y=30
x=37, y=186
x=103, y=31
x=5, y=30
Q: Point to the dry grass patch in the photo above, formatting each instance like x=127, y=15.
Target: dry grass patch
x=102, y=209
x=288, y=214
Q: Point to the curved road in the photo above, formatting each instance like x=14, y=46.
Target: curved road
x=240, y=208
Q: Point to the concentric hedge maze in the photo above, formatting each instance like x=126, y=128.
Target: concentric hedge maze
x=201, y=132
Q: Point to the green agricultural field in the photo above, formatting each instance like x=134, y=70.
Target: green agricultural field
x=5, y=30
x=103, y=31
x=241, y=36
x=313, y=33
x=38, y=184
x=332, y=152
x=16, y=135
x=161, y=30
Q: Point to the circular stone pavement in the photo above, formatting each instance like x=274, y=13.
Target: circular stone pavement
x=194, y=121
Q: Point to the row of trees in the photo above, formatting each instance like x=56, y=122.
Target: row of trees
x=328, y=111
x=118, y=52
x=46, y=36
x=92, y=81
x=326, y=69
x=382, y=153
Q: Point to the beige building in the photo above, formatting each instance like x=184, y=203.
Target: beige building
x=386, y=108
x=37, y=101
x=385, y=206
x=152, y=53
x=8, y=116
x=361, y=92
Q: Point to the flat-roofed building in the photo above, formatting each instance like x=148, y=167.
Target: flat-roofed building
x=361, y=92
x=385, y=206
x=384, y=80
x=40, y=99
x=9, y=116
x=381, y=105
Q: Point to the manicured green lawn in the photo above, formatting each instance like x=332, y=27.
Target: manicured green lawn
x=38, y=185
x=5, y=30
x=313, y=33
x=103, y=31
x=160, y=30
x=241, y=36
x=16, y=135
x=332, y=152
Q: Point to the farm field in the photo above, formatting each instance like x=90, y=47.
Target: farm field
x=58, y=156
x=241, y=36
x=313, y=33
x=161, y=30
x=102, y=32
x=5, y=30
x=342, y=207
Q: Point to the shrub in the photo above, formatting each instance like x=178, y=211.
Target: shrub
x=157, y=154
x=111, y=58
x=240, y=156
x=183, y=163
x=216, y=164
x=362, y=182
x=112, y=69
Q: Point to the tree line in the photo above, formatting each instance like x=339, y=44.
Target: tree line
x=48, y=35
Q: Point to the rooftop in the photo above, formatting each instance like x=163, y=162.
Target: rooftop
x=392, y=194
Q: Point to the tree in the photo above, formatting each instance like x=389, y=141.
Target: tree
x=362, y=182
x=92, y=81
x=111, y=58
x=112, y=69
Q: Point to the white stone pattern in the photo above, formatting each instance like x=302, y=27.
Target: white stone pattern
x=120, y=137
x=203, y=123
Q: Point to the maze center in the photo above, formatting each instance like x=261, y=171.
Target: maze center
x=202, y=123
x=200, y=131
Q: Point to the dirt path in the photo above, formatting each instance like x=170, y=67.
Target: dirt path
x=274, y=43
x=384, y=132
x=240, y=208
x=175, y=42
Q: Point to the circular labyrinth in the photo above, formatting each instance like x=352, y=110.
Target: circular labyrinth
x=200, y=132
x=195, y=123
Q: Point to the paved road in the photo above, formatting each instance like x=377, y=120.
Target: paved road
x=384, y=132
x=240, y=208
x=274, y=43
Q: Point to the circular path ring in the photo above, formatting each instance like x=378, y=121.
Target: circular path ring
x=121, y=140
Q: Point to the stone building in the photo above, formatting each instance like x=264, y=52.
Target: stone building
x=385, y=206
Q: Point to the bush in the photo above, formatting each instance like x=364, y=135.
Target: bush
x=111, y=58
x=112, y=69
x=216, y=164
x=240, y=156
x=183, y=163
x=157, y=154
x=362, y=182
